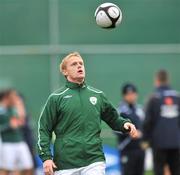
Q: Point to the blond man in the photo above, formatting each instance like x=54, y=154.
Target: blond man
x=74, y=113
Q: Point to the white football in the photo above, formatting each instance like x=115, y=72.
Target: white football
x=108, y=15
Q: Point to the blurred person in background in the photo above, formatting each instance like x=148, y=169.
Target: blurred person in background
x=162, y=125
x=28, y=135
x=131, y=153
x=4, y=103
x=15, y=156
x=74, y=113
x=5, y=123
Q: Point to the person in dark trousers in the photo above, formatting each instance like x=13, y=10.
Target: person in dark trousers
x=162, y=125
x=131, y=153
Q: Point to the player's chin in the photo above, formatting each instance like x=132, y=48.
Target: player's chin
x=81, y=76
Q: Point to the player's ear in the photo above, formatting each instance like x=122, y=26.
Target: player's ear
x=65, y=73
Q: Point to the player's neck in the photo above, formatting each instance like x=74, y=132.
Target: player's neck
x=77, y=81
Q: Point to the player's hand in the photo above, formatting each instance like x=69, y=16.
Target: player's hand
x=132, y=130
x=139, y=134
x=14, y=123
x=48, y=167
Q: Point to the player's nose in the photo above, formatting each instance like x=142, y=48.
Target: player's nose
x=79, y=66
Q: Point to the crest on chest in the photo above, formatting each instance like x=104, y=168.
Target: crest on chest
x=93, y=100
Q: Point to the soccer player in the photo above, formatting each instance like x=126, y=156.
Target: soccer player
x=74, y=113
x=15, y=155
x=162, y=125
x=132, y=154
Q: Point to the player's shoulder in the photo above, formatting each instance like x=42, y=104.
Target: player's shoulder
x=154, y=95
x=59, y=92
x=94, y=90
x=151, y=99
x=123, y=107
x=176, y=94
x=171, y=92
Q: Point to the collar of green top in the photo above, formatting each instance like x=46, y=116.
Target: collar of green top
x=72, y=85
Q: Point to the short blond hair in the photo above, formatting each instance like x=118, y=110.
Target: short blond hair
x=63, y=63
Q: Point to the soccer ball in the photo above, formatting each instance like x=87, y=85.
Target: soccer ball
x=108, y=15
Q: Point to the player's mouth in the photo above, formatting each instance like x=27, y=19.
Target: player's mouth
x=80, y=71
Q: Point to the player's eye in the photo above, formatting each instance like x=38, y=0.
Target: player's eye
x=81, y=63
x=74, y=64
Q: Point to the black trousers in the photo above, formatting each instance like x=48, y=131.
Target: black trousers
x=132, y=162
x=166, y=156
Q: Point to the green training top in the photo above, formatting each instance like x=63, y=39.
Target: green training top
x=74, y=113
x=7, y=133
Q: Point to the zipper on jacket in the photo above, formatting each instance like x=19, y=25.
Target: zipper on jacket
x=83, y=123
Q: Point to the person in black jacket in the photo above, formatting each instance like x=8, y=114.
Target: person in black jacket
x=131, y=153
x=162, y=125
